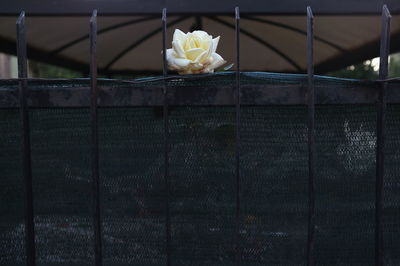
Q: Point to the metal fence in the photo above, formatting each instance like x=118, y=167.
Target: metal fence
x=163, y=98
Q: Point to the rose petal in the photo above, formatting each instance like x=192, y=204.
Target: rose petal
x=210, y=48
x=169, y=55
x=177, y=46
x=201, y=57
x=206, y=44
x=200, y=34
x=181, y=62
x=191, y=44
x=192, y=54
x=203, y=38
x=196, y=66
x=179, y=36
x=215, y=42
x=217, y=61
x=170, y=59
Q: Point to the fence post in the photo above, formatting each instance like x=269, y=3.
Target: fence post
x=311, y=138
x=237, y=146
x=166, y=140
x=95, y=142
x=380, y=133
x=26, y=145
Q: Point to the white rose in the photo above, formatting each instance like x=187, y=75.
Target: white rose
x=193, y=52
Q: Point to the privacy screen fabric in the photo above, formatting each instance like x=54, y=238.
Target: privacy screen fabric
x=272, y=224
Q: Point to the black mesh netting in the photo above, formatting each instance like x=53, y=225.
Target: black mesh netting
x=274, y=188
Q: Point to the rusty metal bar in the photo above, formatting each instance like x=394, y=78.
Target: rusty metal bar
x=380, y=133
x=311, y=138
x=237, y=146
x=95, y=142
x=26, y=145
x=166, y=140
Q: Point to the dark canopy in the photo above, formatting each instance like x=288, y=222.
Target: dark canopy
x=273, y=32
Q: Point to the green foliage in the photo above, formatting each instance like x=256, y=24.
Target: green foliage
x=394, y=66
x=367, y=70
x=364, y=70
x=43, y=70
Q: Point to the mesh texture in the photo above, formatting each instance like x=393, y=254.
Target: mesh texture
x=273, y=185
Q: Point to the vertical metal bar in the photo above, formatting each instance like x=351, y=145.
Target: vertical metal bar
x=311, y=138
x=237, y=148
x=166, y=140
x=380, y=133
x=95, y=142
x=26, y=145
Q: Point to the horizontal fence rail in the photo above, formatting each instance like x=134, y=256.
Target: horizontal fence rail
x=255, y=90
x=228, y=89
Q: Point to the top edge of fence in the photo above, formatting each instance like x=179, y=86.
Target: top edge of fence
x=196, y=77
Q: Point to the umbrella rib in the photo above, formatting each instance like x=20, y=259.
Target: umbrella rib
x=110, y=28
x=263, y=42
x=140, y=41
x=281, y=25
